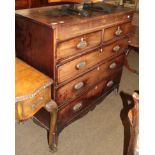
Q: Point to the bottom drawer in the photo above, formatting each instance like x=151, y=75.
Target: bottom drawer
x=73, y=109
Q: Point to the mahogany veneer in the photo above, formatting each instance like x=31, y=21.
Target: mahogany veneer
x=83, y=55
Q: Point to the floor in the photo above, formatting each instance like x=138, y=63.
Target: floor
x=100, y=132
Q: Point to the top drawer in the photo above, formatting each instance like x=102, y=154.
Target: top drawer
x=116, y=31
x=78, y=44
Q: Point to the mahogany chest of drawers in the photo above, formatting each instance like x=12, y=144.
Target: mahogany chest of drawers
x=83, y=55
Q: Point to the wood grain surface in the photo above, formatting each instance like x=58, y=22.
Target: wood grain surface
x=28, y=79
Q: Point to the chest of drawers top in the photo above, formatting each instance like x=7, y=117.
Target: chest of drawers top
x=83, y=55
x=71, y=25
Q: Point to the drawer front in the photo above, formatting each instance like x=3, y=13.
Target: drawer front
x=65, y=30
x=73, y=109
x=80, y=65
x=26, y=109
x=78, y=86
x=78, y=44
x=116, y=31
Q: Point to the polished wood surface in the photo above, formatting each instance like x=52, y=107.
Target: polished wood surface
x=25, y=4
x=22, y=4
x=53, y=17
x=34, y=46
x=70, y=90
x=72, y=110
x=81, y=54
x=28, y=80
x=111, y=32
x=33, y=90
x=72, y=46
x=27, y=108
x=73, y=68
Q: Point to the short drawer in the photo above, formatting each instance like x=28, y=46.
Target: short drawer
x=78, y=44
x=73, y=109
x=116, y=31
x=78, y=86
x=28, y=107
x=80, y=65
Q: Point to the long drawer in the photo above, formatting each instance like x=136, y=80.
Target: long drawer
x=71, y=110
x=80, y=85
x=80, y=65
x=78, y=44
x=116, y=31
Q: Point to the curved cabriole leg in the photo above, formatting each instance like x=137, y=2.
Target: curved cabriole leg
x=52, y=139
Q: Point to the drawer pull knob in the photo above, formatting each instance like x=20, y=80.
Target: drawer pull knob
x=98, y=68
x=118, y=31
x=110, y=83
x=81, y=65
x=116, y=48
x=77, y=107
x=79, y=85
x=82, y=44
x=36, y=104
x=96, y=87
x=113, y=65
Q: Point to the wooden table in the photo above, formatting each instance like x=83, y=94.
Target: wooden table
x=33, y=92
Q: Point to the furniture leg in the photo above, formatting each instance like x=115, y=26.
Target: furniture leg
x=52, y=138
x=128, y=67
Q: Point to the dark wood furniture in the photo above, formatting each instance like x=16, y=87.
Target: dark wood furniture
x=134, y=33
x=25, y=4
x=83, y=55
x=133, y=42
x=33, y=92
x=133, y=115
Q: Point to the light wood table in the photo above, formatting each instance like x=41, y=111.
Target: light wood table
x=33, y=92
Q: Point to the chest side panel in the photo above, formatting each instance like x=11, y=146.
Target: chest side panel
x=34, y=44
